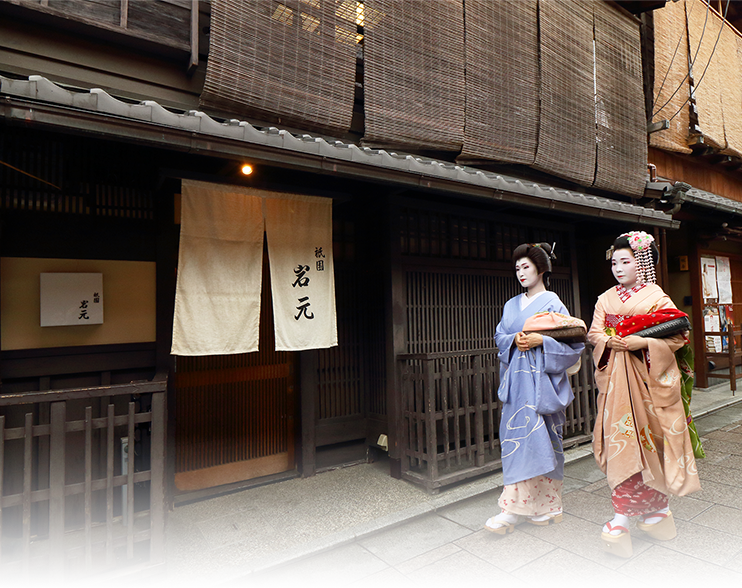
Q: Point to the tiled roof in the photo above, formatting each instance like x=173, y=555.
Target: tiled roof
x=408, y=169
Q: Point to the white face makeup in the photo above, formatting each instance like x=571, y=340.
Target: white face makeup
x=526, y=272
x=624, y=267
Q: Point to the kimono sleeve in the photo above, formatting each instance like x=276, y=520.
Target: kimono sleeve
x=559, y=356
x=503, y=339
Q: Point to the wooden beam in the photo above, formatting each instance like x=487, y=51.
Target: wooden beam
x=193, y=62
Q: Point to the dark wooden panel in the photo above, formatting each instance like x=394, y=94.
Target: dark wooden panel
x=158, y=18
x=108, y=11
x=35, y=363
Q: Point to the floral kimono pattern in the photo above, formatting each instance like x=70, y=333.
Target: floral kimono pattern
x=643, y=429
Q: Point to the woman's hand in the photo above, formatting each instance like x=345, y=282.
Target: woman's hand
x=617, y=343
x=633, y=343
x=526, y=342
x=630, y=343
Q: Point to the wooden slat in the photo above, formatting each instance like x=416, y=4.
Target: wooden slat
x=2, y=466
x=157, y=486
x=109, y=485
x=27, y=473
x=57, y=470
x=88, y=488
x=130, y=485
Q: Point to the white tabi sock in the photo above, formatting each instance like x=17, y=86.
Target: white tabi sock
x=502, y=519
x=652, y=520
x=618, y=521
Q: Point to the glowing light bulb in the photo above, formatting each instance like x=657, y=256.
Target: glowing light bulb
x=246, y=169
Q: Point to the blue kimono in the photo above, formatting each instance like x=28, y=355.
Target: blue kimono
x=535, y=391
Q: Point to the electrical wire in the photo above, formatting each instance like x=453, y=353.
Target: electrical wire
x=669, y=67
x=29, y=175
x=721, y=29
x=692, y=62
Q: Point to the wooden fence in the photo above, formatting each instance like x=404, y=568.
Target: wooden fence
x=451, y=414
x=73, y=504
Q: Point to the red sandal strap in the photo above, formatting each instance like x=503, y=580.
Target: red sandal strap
x=655, y=515
x=616, y=528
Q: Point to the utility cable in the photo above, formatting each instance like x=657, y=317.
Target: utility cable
x=721, y=29
x=693, y=61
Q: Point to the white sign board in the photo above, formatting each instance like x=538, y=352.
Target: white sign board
x=71, y=299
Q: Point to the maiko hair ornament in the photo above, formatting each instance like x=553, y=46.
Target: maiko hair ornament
x=644, y=248
x=641, y=244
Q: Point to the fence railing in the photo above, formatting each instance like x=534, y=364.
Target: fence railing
x=451, y=414
x=72, y=500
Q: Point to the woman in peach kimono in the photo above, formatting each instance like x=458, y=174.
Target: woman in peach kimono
x=641, y=439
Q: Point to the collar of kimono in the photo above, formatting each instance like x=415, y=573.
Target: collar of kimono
x=625, y=293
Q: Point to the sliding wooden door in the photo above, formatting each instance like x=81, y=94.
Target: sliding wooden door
x=234, y=416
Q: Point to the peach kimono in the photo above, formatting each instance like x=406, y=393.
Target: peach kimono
x=641, y=426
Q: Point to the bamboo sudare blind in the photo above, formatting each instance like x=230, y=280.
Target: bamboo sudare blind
x=290, y=61
x=566, y=143
x=671, y=86
x=414, y=74
x=620, y=121
x=502, y=81
x=704, y=28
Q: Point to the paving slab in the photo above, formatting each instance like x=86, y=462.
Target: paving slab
x=507, y=553
x=415, y=538
x=582, y=538
x=473, y=512
x=585, y=470
x=718, y=473
x=687, y=507
x=721, y=518
x=463, y=570
x=561, y=569
x=663, y=566
x=719, y=493
x=389, y=578
x=590, y=506
x=701, y=542
x=330, y=570
x=410, y=566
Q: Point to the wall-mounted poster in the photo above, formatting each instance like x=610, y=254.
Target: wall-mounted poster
x=71, y=299
x=712, y=324
x=724, y=280
x=708, y=278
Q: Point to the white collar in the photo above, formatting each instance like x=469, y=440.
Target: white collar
x=526, y=300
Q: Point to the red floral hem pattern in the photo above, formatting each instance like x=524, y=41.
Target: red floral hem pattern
x=533, y=497
x=633, y=497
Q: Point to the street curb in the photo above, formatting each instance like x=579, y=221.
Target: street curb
x=472, y=489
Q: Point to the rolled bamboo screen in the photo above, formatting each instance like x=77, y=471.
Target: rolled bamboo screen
x=502, y=81
x=703, y=45
x=670, y=74
x=414, y=75
x=289, y=61
x=621, y=123
x=731, y=54
x=566, y=142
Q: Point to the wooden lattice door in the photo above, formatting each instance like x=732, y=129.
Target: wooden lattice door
x=234, y=416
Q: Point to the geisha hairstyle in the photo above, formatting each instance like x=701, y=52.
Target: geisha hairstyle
x=645, y=252
x=541, y=254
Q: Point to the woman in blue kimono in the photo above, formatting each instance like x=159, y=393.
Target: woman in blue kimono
x=535, y=391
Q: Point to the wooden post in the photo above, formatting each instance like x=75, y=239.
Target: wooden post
x=157, y=484
x=696, y=289
x=309, y=361
x=395, y=322
x=193, y=61
x=56, y=487
x=431, y=438
x=478, y=416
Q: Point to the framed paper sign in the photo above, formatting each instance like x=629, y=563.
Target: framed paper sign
x=71, y=299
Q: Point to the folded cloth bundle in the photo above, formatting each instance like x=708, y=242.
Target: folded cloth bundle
x=556, y=325
x=658, y=324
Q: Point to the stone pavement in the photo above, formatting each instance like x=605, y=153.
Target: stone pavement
x=449, y=547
